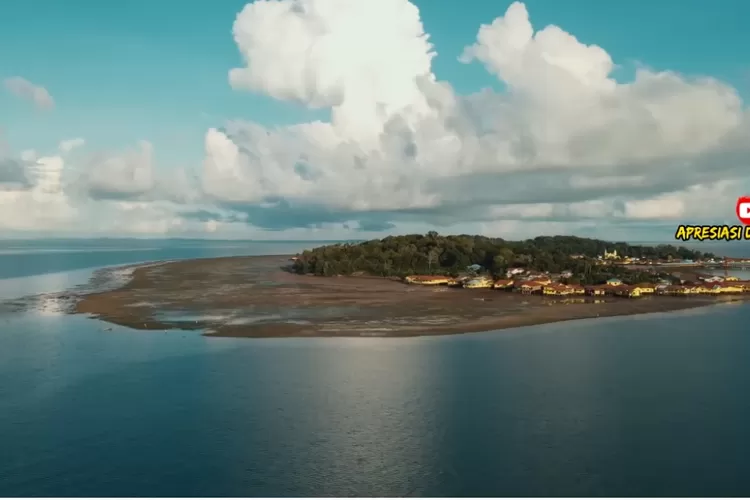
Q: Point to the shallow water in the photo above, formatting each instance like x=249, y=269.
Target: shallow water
x=647, y=405
x=253, y=314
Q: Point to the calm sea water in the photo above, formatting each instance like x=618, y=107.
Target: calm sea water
x=649, y=405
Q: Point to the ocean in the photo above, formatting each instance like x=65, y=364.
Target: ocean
x=652, y=405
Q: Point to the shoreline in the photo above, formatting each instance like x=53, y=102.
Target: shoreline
x=512, y=323
x=254, y=297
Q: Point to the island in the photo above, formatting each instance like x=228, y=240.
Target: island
x=416, y=285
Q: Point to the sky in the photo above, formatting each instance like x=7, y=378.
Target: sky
x=352, y=119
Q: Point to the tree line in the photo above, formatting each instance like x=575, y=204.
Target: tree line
x=452, y=255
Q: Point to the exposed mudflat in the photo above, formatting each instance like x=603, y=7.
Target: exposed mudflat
x=255, y=297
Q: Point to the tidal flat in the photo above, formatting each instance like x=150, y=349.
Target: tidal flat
x=256, y=297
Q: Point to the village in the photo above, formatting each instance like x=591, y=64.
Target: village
x=542, y=283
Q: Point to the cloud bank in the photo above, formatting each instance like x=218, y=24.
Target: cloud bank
x=564, y=147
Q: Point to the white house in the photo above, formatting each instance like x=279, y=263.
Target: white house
x=515, y=270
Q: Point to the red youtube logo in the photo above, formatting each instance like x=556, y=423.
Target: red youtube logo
x=743, y=209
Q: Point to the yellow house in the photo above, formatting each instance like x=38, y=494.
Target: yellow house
x=729, y=289
x=428, y=280
x=479, y=283
x=556, y=289
x=530, y=287
x=731, y=278
x=503, y=284
x=629, y=291
x=646, y=287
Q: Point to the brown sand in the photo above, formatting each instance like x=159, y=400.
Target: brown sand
x=255, y=297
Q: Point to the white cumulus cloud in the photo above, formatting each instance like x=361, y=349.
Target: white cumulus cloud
x=69, y=145
x=20, y=87
x=121, y=175
x=104, y=194
x=403, y=145
x=361, y=58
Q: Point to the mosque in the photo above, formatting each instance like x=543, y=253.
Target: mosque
x=610, y=255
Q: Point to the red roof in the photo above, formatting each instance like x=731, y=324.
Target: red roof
x=530, y=283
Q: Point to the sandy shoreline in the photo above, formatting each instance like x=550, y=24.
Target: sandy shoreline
x=254, y=297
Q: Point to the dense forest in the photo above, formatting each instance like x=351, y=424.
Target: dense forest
x=436, y=254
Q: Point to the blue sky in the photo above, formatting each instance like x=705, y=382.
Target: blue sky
x=136, y=70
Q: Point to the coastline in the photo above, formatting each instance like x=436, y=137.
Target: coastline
x=254, y=297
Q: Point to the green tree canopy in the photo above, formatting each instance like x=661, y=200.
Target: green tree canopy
x=437, y=254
